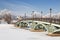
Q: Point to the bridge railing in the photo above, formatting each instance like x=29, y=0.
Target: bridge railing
x=56, y=21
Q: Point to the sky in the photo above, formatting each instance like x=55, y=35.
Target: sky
x=20, y=7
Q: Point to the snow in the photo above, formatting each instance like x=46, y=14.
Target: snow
x=9, y=32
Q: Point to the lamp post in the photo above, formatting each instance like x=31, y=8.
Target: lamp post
x=41, y=15
x=32, y=18
x=50, y=16
x=32, y=15
x=25, y=16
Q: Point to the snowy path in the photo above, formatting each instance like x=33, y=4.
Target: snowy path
x=9, y=32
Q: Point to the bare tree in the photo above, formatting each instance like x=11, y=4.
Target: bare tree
x=7, y=18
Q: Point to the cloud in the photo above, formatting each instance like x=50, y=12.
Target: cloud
x=18, y=9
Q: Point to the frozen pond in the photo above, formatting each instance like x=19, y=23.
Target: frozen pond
x=9, y=32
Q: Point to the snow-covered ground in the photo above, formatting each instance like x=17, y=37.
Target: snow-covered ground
x=9, y=32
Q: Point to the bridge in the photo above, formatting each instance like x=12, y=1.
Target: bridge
x=51, y=20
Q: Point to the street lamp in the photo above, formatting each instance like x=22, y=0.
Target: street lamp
x=32, y=15
x=41, y=15
x=25, y=16
x=50, y=16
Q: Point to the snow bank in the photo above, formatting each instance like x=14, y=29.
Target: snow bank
x=9, y=32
